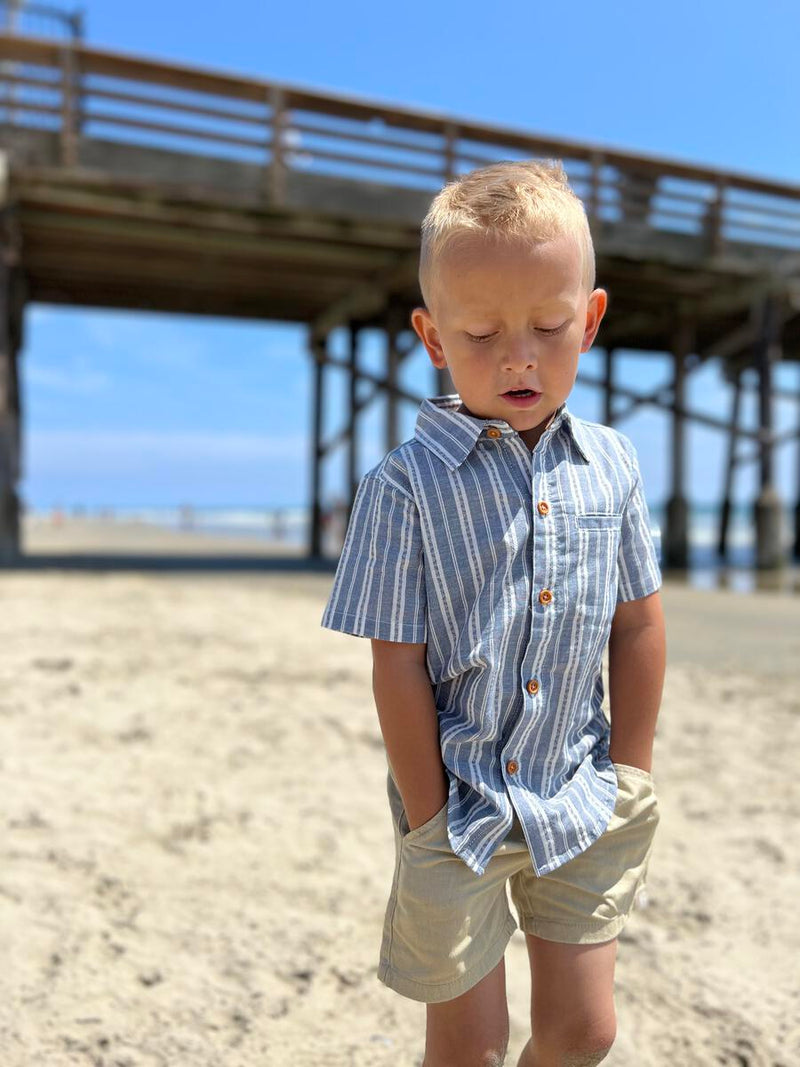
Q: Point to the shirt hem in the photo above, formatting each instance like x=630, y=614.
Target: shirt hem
x=358, y=626
x=479, y=867
x=641, y=590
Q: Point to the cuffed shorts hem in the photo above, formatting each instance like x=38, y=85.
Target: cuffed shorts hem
x=437, y=992
x=574, y=934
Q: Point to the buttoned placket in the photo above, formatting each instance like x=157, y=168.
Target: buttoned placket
x=545, y=596
x=500, y=436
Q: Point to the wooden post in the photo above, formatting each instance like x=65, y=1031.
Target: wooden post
x=712, y=223
x=12, y=298
x=277, y=165
x=608, y=385
x=594, y=192
x=767, y=506
x=69, y=108
x=636, y=190
x=393, y=326
x=676, y=550
x=352, y=426
x=318, y=351
x=733, y=435
x=450, y=140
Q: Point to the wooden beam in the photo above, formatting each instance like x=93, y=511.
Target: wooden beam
x=11, y=312
x=767, y=508
x=132, y=233
x=737, y=340
x=393, y=325
x=676, y=541
x=368, y=300
x=205, y=208
x=656, y=399
x=317, y=347
x=351, y=429
x=374, y=391
x=608, y=388
x=730, y=469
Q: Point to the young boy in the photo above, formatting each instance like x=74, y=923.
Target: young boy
x=491, y=558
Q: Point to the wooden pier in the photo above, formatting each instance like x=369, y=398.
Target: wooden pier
x=131, y=183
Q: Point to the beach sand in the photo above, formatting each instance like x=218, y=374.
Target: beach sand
x=198, y=849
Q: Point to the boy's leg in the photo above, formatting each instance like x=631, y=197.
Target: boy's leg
x=470, y=1030
x=573, y=1020
x=572, y=918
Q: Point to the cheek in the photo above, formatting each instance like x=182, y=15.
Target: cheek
x=562, y=365
x=570, y=349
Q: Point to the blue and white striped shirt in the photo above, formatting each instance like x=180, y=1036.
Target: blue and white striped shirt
x=509, y=564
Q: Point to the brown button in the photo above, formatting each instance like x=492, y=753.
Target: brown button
x=532, y=686
x=543, y=507
x=494, y=432
x=512, y=766
x=545, y=596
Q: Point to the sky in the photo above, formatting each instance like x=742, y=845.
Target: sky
x=132, y=409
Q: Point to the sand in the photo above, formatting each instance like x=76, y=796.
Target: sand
x=198, y=850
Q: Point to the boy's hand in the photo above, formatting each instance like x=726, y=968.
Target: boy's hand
x=424, y=805
x=410, y=726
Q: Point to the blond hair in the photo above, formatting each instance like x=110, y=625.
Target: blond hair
x=527, y=199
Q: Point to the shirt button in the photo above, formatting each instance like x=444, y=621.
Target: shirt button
x=545, y=596
x=512, y=766
x=494, y=432
x=543, y=507
x=532, y=686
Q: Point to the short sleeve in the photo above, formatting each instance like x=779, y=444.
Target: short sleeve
x=639, y=550
x=379, y=587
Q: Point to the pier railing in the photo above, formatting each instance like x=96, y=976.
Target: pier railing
x=75, y=93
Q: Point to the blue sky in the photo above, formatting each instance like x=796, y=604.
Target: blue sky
x=131, y=409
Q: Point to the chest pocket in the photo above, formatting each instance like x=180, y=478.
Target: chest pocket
x=598, y=536
x=599, y=521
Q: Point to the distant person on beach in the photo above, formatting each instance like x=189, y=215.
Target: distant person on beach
x=491, y=558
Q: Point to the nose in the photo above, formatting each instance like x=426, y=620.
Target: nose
x=520, y=355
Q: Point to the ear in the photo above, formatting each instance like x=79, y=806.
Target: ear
x=596, y=308
x=426, y=331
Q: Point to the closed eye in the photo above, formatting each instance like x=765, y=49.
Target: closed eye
x=483, y=338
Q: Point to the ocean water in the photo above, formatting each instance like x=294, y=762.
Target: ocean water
x=289, y=526
x=737, y=571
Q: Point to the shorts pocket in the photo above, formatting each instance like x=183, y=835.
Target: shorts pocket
x=420, y=831
x=625, y=769
x=637, y=798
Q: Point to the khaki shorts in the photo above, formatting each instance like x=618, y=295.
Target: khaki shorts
x=446, y=927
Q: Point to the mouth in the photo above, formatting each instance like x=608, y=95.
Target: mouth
x=521, y=397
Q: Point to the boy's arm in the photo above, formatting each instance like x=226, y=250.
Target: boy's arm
x=636, y=666
x=410, y=727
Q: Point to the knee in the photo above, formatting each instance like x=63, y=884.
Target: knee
x=587, y=1057
x=584, y=1048
x=590, y=1048
x=493, y=1057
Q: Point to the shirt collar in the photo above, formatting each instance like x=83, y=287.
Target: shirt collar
x=451, y=434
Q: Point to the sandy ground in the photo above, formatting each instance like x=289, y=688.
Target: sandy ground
x=197, y=848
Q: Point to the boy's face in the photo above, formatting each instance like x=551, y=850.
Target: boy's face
x=507, y=316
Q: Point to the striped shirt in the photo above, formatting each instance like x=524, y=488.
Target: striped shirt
x=508, y=563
